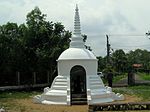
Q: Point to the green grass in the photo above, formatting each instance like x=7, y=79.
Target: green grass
x=119, y=77
x=7, y=99
x=142, y=91
x=17, y=95
x=116, y=78
x=144, y=76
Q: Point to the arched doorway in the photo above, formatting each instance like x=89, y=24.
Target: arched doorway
x=78, y=85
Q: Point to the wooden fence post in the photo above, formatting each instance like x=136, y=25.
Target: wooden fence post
x=131, y=78
x=48, y=77
x=34, y=78
x=18, y=78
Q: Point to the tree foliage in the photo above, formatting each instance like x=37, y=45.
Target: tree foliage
x=119, y=60
x=34, y=46
x=123, y=62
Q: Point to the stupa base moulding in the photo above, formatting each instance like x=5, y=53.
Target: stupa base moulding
x=59, y=93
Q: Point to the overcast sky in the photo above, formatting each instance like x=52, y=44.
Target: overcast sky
x=125, y=21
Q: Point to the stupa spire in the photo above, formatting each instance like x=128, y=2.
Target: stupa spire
x=77, y=39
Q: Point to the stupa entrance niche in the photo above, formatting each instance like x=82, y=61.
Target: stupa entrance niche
x=78, y=83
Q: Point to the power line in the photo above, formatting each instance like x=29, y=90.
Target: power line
x=127, y=35
x=125, y=49
x=118, y=35
x=108, y=49
x=131, y=46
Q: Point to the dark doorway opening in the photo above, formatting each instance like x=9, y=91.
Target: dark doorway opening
x=78, y=85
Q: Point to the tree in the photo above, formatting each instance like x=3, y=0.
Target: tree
x=101, y=63
x=10, y=47
x=8, y=43
x=139, y=57
x=84, y=40
x=45, y=41
x=119, y=60
x=32, y=47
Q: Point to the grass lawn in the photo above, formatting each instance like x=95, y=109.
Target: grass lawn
x=144, y=76
x=22, y=101
x=116, y=78
x=119, y=77
x=8, y=100
x=143, y=91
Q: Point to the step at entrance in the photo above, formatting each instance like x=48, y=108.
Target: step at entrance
x=79, y=99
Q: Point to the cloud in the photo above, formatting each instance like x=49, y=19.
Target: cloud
x=98, y=18
x=14, y=10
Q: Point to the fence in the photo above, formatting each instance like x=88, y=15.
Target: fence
x=26, y=78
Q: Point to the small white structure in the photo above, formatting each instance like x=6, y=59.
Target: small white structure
x=77, y=79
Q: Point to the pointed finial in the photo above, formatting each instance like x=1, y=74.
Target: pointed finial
x=77, y=39
x=76, y=7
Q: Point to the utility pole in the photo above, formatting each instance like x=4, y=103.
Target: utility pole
x=148, y=34
x=108, y=50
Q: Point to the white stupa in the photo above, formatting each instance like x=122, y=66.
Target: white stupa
x=77, y=79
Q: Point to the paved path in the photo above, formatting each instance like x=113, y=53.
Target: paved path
x=124, y=81
x=138, y=80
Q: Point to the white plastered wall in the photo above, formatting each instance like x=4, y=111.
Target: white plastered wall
x=64, y=66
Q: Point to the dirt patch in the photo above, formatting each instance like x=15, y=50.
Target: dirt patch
x=27, y=105
x=30, y=106
x=131, y=98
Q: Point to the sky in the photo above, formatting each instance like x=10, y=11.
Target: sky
x=124, y=21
